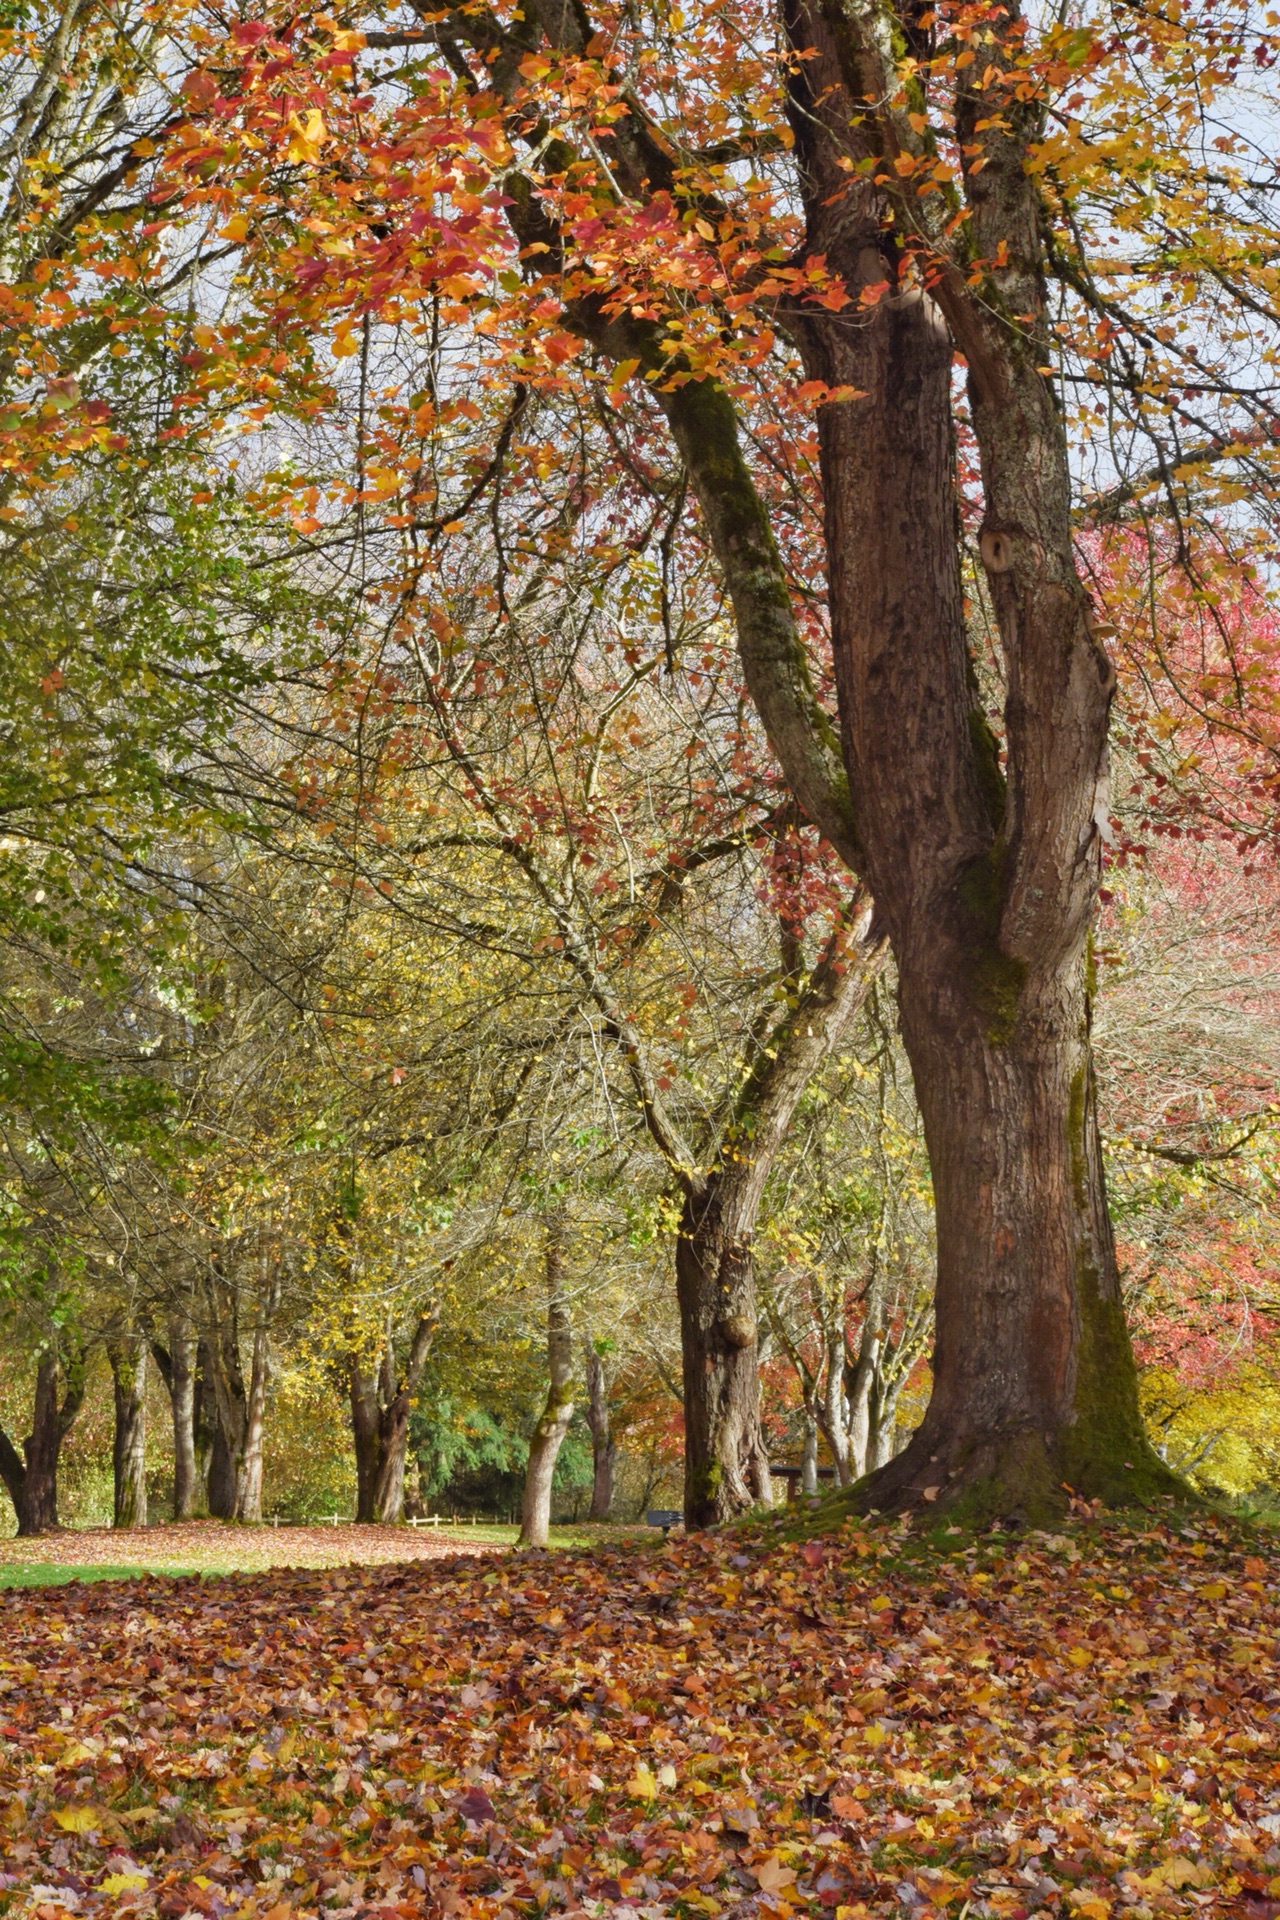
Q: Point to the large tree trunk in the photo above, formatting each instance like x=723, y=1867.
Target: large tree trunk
x=381, y=1403
x=128, y=1360
x=548, y=1435
x=32, y=1476
x=726, y=1459
x=603, y=1449
x=215, y=1461
x=985, y=888
x=229, y=1410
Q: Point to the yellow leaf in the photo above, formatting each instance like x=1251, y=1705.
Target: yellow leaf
x=1216, y=1590
x=1181, y=1872
x=236, y=228
x=78, y=1819
x=642, y=1785
x=1080, y=1657
x=309, y=135
x=123, y=1882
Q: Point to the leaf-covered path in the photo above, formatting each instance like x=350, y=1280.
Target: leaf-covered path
x=719, y=1727
x=208, y=1545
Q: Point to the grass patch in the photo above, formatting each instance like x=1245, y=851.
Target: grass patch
x=49, y=1573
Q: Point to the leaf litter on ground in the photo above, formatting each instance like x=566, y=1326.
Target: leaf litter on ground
x=1078, y=1725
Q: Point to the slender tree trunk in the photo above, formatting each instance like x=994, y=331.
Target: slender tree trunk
x=809, y=1453
x=204, y=1423
x=603, y=1450
x=128, y=1360
x=726, y=1459
x=32, y=1476
x=835, y=1410
x=381, y=1406
x=248, y=1498
x=182, y=1399
x=883, y=1424
x=362, y=1394
x=548, y=1435
x=223, y=1380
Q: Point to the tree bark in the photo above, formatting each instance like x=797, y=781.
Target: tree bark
x=548, y=1435
x=603, y=1449
x=834, y=1406
x=809, y=1451
x=726, y=1459
x=381, y=1403
x=228, y=1397
x=31, y=1477
x=984, y=877
x=182, y=1398
x=128, y=1360
x=248, y=1484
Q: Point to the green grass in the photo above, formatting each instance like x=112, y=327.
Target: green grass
x=48, y=1573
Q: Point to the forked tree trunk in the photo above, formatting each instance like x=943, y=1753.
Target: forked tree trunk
x=381, y=1403
x=31, y=1476
x=128, y=1360
x=726, y=1458
x=548, y=1435
x=603, y=1449
x=985, y=884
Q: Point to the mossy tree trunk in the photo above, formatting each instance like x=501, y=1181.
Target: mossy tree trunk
x=553, y=1424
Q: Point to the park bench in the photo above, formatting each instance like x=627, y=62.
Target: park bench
x=794, y=1476
x=664, y=1517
